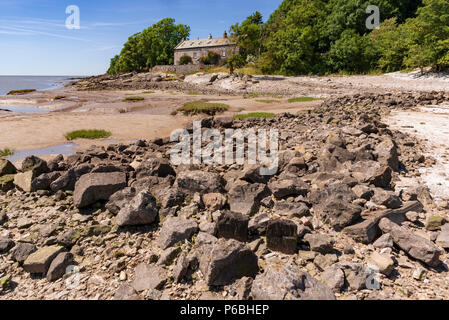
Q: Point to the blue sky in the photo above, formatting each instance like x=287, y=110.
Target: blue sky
x=35, y=41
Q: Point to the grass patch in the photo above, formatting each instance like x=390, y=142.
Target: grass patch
x=267, y=101
x=197, y=107
x=18, y=92
x=87, y=134
x=6, y=152
x=133, y=99
x=303, y=99
x=254, y=115
x=194, y=93
x=249, y=70
x=215, y=70
x=148, y=92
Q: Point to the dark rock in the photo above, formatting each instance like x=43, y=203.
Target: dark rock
x=155, y=167
x=245, y=198
x=291, y=209
x=119, y=199
x=58, y=266
x=334, y=205
x=5, y=245
x=227, y=260
x=6, y=167
x=386, y=198
x=139, y=211
x=233, y=225
x=21, y=251
x=199, y=181
x=282, y=236
x=288, y=188
x=35, y=164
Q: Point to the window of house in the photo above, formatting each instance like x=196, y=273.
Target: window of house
x=223, y=53
x=194, y=55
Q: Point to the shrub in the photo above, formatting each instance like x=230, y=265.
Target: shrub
x=87, y=134
x=185, y=60
x=212, y=58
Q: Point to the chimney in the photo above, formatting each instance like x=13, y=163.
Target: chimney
x=210, y=36
x=225, y=35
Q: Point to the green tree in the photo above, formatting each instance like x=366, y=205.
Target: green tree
x=248, y=35
x=153, y=46
x=391, y=44
x=429, y=34
x=351, y=53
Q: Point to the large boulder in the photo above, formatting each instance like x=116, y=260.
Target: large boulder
x=416, y=246
x=233, y=225
x=176, y=229
x=6, y=167
x=282, y=236
x=39, y=261
x=160, y=167
x=227, y=260
x=289, y=283
x=140, y=210
x=334, y=205
x=245, y=198
x=387, y=154
x=199, y=181
x=93, y=187
x=284, y=188
x=24, y=181
x=35, y=164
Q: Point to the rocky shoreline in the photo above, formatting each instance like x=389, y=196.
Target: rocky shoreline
x=121, y=222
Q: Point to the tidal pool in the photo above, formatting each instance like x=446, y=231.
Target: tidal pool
x=64, y=149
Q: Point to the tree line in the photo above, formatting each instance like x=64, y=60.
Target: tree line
x=319, y=37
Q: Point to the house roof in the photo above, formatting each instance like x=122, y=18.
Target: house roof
x=201, y=43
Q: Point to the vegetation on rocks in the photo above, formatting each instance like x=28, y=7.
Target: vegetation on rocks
x=6, y=152
x=254, y=115
x=303, y=99
x=198, y=107
x=87, y=134
x=20, y=92
x=133, y=99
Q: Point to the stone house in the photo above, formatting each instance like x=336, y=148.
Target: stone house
x=199, y=48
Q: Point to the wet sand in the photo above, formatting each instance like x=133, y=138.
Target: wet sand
x=106, y=110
